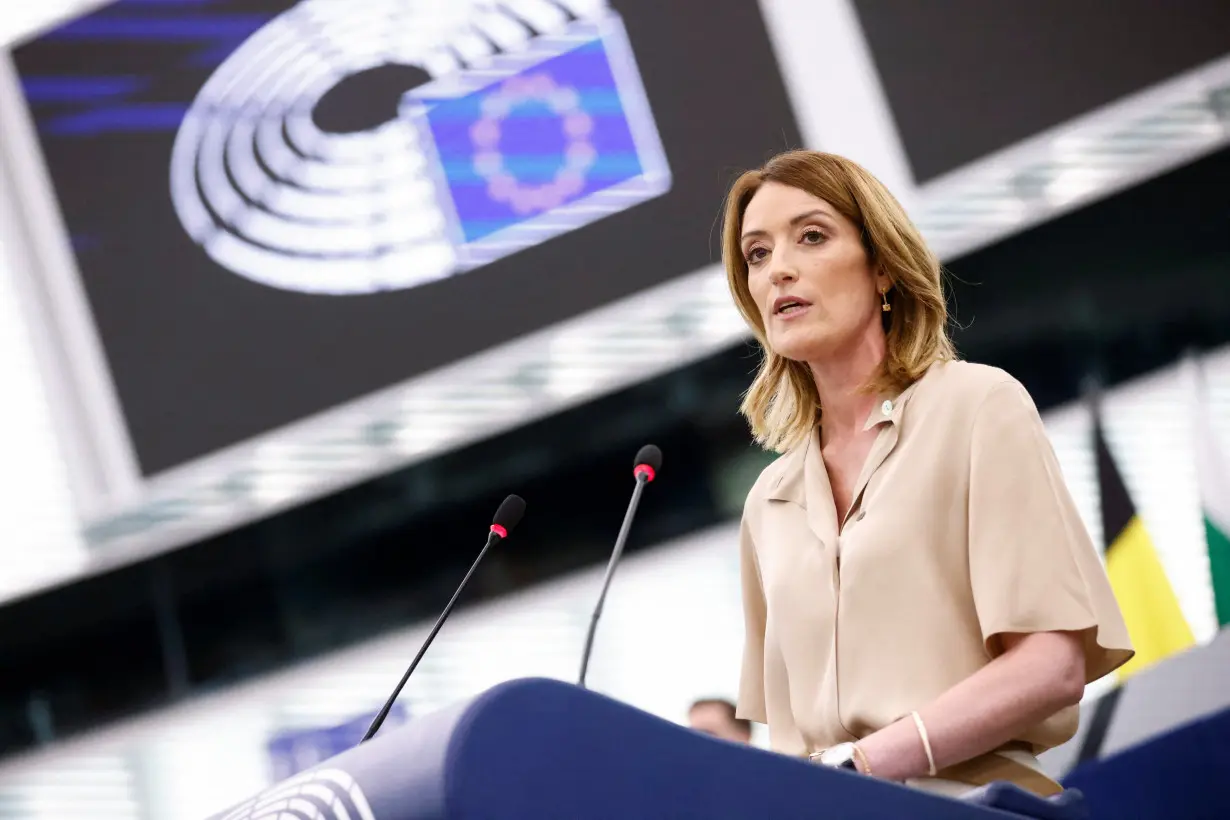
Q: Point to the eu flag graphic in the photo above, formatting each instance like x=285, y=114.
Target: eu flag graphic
x=556, y=140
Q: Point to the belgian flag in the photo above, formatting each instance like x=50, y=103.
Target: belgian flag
x=1154, y=619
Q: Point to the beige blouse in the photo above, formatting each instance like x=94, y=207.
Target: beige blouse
x=961, y=529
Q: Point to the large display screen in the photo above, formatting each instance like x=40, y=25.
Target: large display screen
x=277, y=207
x=980, y=76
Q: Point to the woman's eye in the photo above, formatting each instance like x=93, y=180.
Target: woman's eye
x=755, y=255
x=812, y=236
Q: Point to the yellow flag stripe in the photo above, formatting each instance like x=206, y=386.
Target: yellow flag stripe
x=1150, y=608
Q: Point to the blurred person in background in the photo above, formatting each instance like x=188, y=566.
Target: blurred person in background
x=922, y=601
x=715, y=716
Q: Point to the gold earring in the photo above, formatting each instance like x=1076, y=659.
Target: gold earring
x=885, y=307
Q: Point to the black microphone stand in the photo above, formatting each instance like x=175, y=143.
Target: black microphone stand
x=643, y=477
x=506, y=517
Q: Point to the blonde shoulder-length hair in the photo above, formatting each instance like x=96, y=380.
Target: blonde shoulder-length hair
x=782, y=405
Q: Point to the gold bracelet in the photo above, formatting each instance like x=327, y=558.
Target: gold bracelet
x=861, y=759
x=922, y=733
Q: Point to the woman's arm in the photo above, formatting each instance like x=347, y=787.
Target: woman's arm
x=1039, y=587
x=1036, y=676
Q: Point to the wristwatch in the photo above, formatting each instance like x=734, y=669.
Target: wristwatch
x=840, y=756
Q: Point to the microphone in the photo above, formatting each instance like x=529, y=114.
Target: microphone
x=645, y=469
x=506, y=517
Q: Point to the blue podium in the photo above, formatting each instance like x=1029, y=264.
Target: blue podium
x=545, y=750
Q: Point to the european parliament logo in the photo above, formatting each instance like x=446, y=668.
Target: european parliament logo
x=321, y=794
x=518, y=136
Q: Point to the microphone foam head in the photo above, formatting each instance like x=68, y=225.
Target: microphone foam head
x=649, y=457
x=509, y=514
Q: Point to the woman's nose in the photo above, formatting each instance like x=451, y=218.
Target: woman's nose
x=782, y=273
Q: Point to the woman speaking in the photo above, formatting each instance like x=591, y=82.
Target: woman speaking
x=922, y=600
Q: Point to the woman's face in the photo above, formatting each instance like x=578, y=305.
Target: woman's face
x=808, y=274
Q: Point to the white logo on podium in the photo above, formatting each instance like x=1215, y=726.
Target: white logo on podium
x=325, y=794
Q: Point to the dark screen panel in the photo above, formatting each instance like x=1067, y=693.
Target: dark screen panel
x=965, y=78
x=203, y=358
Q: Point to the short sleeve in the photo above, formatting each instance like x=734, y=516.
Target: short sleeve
x=751, y=705
x=1033, y=566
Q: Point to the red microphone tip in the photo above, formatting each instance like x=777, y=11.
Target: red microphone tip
x=500, y=531
x=644, y=470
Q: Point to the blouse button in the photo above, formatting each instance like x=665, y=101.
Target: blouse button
x=886, y=408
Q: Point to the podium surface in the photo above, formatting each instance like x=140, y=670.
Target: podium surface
x=547, y=750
